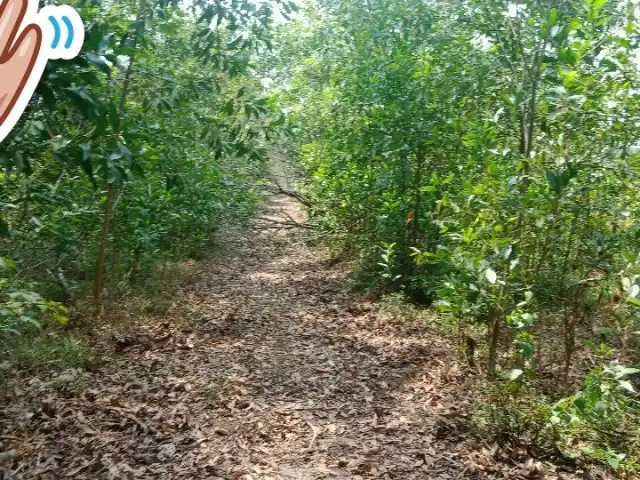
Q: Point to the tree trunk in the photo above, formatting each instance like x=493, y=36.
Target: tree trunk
x=569, y=340
x=111, y=192
x=104, y=239
x=495, y=327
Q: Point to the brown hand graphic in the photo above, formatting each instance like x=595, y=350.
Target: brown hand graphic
x=17, y=55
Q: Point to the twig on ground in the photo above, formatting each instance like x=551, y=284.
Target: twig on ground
x=278, y=190
x=316, y=431
x=286, y=224
x=82, y=467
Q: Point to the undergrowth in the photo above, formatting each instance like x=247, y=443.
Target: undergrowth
x=597, y=424
x=42, y=351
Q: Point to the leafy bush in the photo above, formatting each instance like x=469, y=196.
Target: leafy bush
x=21, y=308
x=599, y=421
x=482, y=155
x=135, y=153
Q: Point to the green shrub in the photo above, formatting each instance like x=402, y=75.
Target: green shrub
x=40, y=351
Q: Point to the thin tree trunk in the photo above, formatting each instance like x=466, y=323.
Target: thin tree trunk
x=111, y=191
x=569, y=345
x=415, y=232
x=547, y=239
x=495, y=324
x=97, y=286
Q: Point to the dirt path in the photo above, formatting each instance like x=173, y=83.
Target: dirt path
x=276, y=372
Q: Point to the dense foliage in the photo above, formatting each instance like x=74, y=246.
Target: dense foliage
x=482, y=156
x=132, y=154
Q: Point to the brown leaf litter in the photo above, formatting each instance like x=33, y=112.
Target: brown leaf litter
x=275, y=371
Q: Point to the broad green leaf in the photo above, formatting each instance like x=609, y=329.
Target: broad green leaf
x=627, y=371
x=99, y=62
x=471, y=140
x=491, y=275
x=6, y=264
x=626, y=385
x=514, y=374
x=598, y=4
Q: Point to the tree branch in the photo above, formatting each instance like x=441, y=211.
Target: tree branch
x=278, y=190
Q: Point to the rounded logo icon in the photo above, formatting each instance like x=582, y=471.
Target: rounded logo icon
x=28, y=39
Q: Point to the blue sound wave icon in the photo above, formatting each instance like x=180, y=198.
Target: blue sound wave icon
x=63, y=31
x=56, y=31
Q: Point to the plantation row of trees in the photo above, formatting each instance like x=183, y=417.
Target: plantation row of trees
x=132, y=154
x=481, y=155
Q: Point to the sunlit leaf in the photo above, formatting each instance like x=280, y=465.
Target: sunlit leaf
x=491, y=275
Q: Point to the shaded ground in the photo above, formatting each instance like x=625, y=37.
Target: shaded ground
x=269, y=368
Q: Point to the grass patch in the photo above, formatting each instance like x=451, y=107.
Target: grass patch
x=45, y=351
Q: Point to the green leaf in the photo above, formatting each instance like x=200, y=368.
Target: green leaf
x=61, y=319
x=229, y=107
x=623, y=372
x=598, y=4
x=604, y=331
x=85, y=162
x=634, y=301
x=613, y=461
x=527, y=349
x=570, y=78
x=514, y=374
x=626, y=385
x=280, y=121
x=47, y=95
x=471, y=140
x=234, y=43
x=553, y=180
x=491, y=275
x=580, y=403
x=293, y=6
x=6, y=264
x=553, y=17
x=81, y=99
x=99, y=62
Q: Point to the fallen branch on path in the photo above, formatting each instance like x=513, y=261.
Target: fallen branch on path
x=276, y=189
x=290, y=223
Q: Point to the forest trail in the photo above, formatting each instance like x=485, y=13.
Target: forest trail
x=277, y=371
